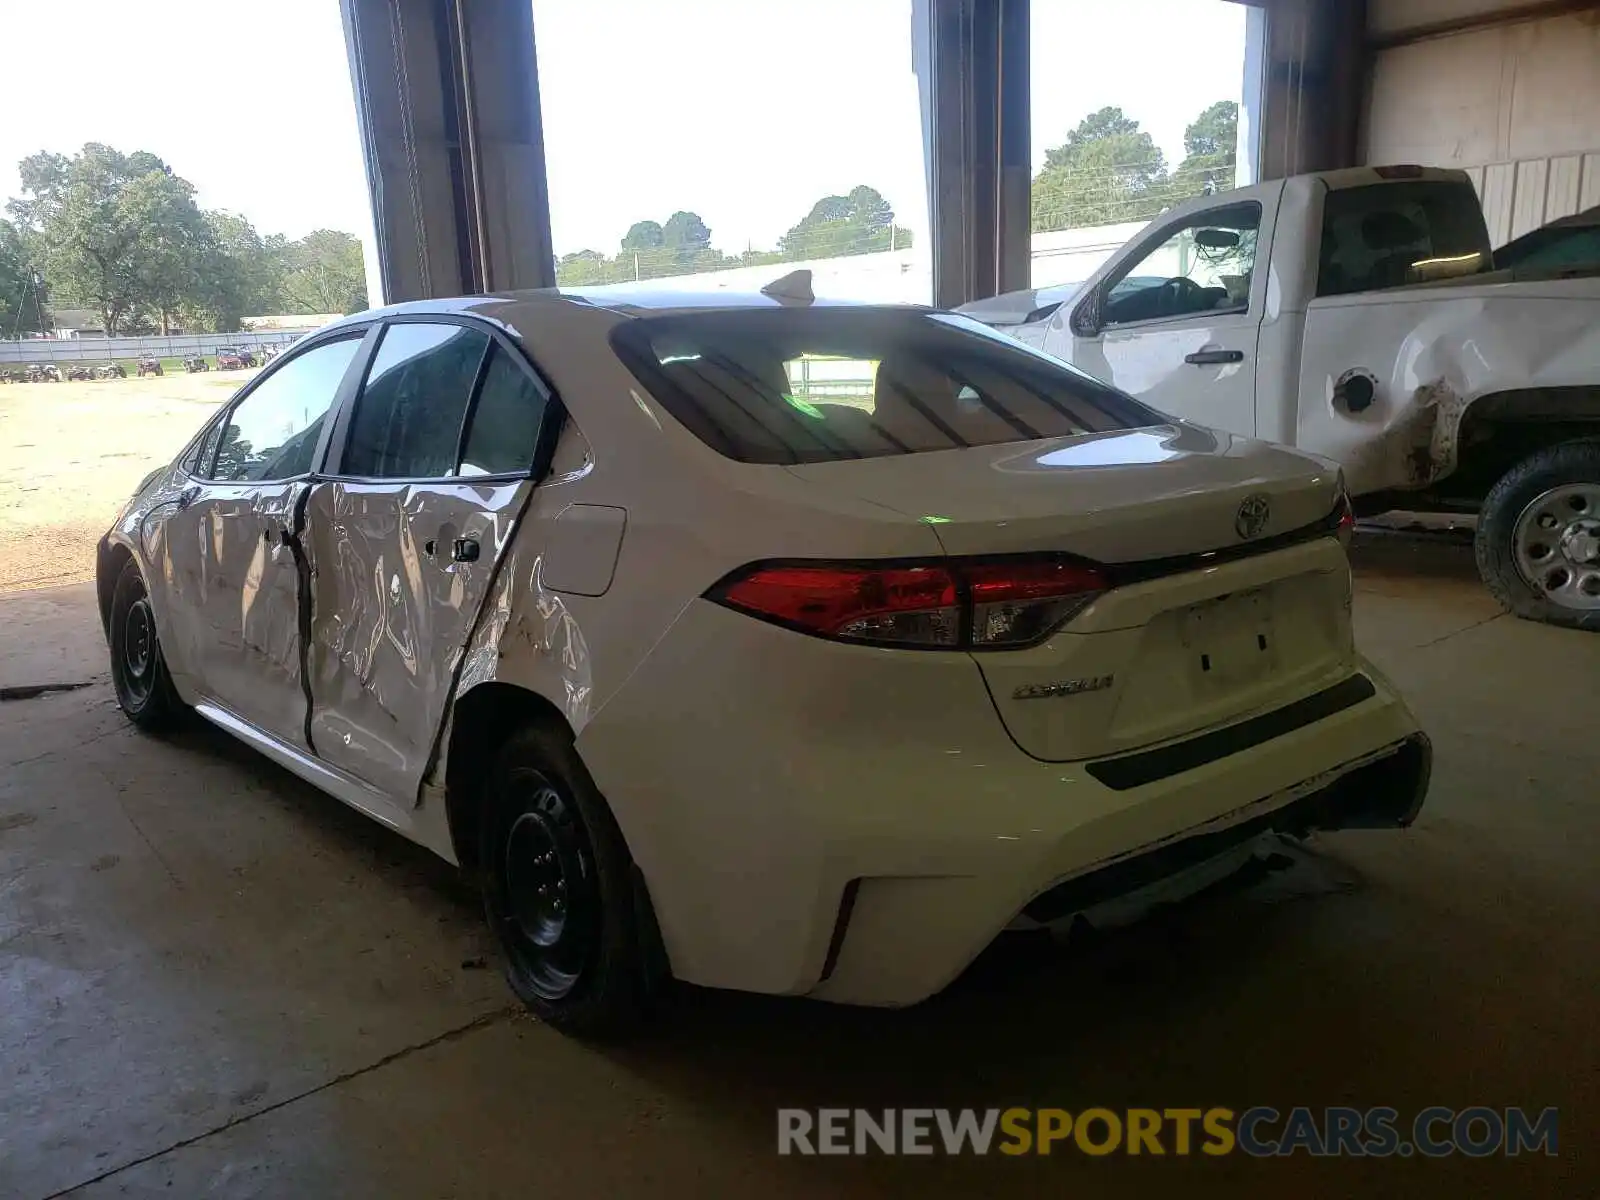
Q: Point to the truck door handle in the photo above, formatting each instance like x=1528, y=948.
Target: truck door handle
x=466, y=550
x=1206, y=358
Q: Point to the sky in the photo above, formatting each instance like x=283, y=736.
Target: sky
x=745, y=111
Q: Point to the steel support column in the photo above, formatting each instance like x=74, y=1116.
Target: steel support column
x=1314, y=77
x=971, y=59
x=447, y=99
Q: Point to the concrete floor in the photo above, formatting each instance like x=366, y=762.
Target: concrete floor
x=215, y=981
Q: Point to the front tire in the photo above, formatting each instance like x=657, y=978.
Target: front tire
x=559, y=891
x=1538, y=539
x=138, y=667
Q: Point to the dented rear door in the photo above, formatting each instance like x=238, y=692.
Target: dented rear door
x=431, y=472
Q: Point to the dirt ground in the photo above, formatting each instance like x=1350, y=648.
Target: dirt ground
x=71, y=453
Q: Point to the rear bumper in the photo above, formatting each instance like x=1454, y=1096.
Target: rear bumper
x=809, y=823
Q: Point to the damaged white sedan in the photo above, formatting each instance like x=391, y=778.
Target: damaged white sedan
x=761, y=643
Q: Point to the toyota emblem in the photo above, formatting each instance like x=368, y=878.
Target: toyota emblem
x=1252, y=517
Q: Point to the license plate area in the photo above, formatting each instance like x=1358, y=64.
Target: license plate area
x=1230, y=641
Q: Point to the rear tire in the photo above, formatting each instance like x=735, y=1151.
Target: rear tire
x=1538, y=539
x=559, y=891
x=138, y=667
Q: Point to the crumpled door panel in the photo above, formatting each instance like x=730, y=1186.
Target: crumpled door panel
x=395, y=595
x=240, y=586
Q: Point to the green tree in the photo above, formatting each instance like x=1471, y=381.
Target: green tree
x=584, y=267
x=1210, y=146
x=117, y=231
x=1107, y=171
x=174, y=248
x=21, y=308
x=858, y=223
x=325, y=273
x=243, y=276
x=686, y=232
x=644, y=235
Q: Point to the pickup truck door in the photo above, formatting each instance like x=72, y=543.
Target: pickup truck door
x=1175, y=318
x=428, y=476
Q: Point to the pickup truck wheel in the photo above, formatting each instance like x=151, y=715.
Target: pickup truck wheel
x=1538, y=540
x=559, y=891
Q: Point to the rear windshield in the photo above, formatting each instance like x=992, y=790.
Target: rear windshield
x=1390, y=234
x=789, y=385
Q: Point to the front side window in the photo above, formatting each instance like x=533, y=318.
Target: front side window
x=1204, y=266
x=1387, y=235
x=273, y=432
x=817, y=385
x=407, y=422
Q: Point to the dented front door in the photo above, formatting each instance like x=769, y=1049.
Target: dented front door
x=237, y=585
x=238, y=571
x=400, y=572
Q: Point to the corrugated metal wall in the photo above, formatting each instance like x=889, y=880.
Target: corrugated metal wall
x=1516, y=105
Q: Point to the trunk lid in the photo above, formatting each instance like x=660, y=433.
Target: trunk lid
x=1196, y=631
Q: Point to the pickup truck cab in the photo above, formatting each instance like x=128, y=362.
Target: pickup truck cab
x=1358, y=315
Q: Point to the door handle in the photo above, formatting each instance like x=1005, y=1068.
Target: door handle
x=466, y=550
x=1206, y=358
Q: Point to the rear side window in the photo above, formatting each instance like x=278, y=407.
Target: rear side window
x=505, y=420
x=821, y=384
x=407, y=422
x=1390, y=234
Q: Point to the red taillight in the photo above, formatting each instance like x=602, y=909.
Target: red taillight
x=1347, y=520
x=944, y=604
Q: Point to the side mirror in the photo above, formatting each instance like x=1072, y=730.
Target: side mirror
x=1087, y=318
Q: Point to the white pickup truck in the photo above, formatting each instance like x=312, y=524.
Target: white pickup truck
x=1357, y=314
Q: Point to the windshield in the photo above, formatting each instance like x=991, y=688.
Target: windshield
x=817, y=385
x=1388, y=235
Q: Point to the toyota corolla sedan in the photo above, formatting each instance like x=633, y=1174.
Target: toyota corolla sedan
x=759, y=642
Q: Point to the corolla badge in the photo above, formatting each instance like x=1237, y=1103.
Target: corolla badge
x=1252, y=517
x=1067, y=687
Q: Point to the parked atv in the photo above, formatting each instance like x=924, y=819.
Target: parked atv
x=149, y=365
x=111, y=370
x=42, y=373
x=79, y=372
x=230, y=358
x=195, y=363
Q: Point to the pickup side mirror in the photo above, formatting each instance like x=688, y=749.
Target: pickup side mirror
x=1087, y=318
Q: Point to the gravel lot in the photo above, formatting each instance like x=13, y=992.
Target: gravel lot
x=71, y=453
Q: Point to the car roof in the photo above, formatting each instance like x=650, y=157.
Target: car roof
x=625, y=301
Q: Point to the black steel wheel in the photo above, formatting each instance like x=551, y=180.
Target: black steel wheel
x=559, y=891
x=138, y=669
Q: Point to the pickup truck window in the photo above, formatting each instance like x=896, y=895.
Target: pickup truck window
x=1201, y=266
x=1387, y=235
